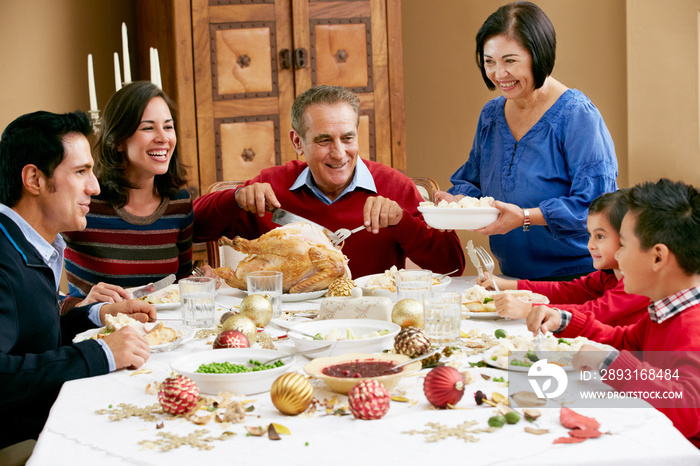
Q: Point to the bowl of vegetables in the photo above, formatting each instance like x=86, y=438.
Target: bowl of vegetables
x=343, y=336
x=240, y=371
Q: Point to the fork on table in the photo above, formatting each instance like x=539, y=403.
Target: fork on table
x=342, y=234
x=488, y=264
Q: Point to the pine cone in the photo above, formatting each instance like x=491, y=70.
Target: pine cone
x=340, y=287
x=412, y=342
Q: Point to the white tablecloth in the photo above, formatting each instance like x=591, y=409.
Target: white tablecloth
x=76, y=435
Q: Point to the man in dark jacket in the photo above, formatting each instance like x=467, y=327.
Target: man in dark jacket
x=46, y=181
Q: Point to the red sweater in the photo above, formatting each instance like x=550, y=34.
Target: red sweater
x=217, y=214
x=598, y=292
x=679, y=334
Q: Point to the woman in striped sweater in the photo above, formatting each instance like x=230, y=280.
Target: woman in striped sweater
x=139, y=228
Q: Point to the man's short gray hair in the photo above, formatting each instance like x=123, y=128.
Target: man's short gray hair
x=322, y=95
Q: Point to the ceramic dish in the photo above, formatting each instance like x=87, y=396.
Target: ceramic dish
x=344, y=384
x=479, y=315
x=184, y=334
x=170, y=295
x=363, y=282
x=244, y=383
x=502, y=362
x=360, y=328
x=467, y=218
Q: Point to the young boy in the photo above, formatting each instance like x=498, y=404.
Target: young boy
x=659, y=257
x=601, y=292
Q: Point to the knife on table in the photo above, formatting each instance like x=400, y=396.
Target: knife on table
x=283, y=217
x=153, y=287
x=475, y=259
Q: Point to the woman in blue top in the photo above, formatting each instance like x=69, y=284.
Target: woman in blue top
x=541, y=150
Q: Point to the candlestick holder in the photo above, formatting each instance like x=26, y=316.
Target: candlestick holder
x=95, y=117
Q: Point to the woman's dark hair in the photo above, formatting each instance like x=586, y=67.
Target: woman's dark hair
x=121, y=119
x=37, y=139
x=668, y=213
x=526, y=23
x=613, y=204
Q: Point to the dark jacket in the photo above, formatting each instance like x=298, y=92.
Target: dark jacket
x=36, y=350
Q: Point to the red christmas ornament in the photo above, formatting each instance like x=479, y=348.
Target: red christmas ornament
x=178, y=395
x=369, y=400
x=231, y=339
x=444, y=386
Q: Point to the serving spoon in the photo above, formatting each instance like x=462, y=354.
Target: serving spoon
x=412, y=360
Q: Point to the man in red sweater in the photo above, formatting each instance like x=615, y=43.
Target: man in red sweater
x=659, y=257
x=337, y=189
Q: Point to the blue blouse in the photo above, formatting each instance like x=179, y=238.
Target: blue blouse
x=563, y=162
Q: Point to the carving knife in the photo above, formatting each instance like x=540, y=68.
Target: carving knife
x=475, y=259
x=153, y=287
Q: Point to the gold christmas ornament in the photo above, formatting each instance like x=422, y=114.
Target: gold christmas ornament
x=291, y=393
x=258, y=307
x=408, y=313
x=243, y=324
x=341, y=286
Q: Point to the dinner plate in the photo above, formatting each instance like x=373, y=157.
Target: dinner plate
x=503, y=360
x=481, y=315
x=296, y=297
x=186, y=334
x=169, y=306
x=362, y=282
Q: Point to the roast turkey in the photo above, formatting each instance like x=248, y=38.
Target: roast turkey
x=305, y=256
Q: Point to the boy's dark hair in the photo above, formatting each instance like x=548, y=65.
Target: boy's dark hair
x=668, y=213
x=121, y=119
x=530, y=26
x=35, y=139
x=613, y=205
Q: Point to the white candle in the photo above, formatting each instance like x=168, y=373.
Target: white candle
x=117, y=72
x=151, y=61
x=157, y=66
x=91, y=85
x=125, y=52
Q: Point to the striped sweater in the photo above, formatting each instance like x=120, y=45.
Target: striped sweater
x=123, y=249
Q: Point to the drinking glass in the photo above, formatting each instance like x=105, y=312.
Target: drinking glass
x=267, y=283
x=197, y=295
x=413, y=283
x=442, y=312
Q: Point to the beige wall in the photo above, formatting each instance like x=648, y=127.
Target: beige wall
x=44, y=51
x=662, y=88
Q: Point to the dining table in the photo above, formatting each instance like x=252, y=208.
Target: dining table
x=96, y=420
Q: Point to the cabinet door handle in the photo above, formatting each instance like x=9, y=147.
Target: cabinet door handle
x=300, y=58
x=285, y=59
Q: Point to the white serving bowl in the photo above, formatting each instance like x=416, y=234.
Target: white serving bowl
x=244, y=383
x=465, y=218
x=359, y=327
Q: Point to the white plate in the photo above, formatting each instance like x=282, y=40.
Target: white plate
x=466, y=218
x=296, y=297
x=244, y=383
x=362, y=283
x=164, y=306
x=489, y=354
x=481, y=315
x=167, y=306
x=186, y=334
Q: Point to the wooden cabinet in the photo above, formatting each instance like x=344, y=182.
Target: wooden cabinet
x=234, y=68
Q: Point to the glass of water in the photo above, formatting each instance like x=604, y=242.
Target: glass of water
x=197, y=295
x=267, y=283
x=442, y=312
x=413, y=283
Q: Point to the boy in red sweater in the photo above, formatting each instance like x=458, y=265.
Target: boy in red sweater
x=659, y=257
x=601, y=292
